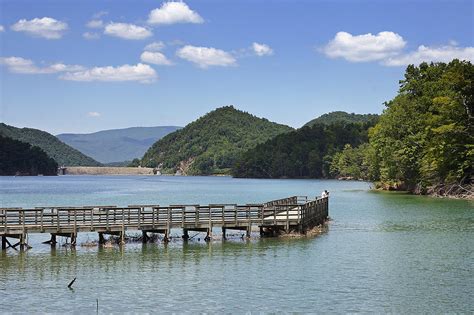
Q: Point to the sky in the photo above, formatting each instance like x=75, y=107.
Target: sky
x=84, y=66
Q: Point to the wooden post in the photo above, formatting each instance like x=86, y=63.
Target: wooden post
x=22, y=241
x=223, y=233
x=4, y=242
x=92, y=219
x=144, y=237
x=249, y=230
x=185, y=235
x=153, y=217
x=208, y=234
x=57, y=218
x=101, y=238
x=197, y=214
x=41, y=220
x=73, y=239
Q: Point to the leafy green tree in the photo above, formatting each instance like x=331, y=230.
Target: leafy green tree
x=425, y=135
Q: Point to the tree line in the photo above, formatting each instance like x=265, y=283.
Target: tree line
x=423, y=139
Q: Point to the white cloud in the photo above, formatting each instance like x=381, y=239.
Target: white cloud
x=91, y=35
x=95, y=24
x=2, y=29
x=156, y=58
x=27, y=66
x=94, y=114
x=366, y=47
x=172, y=13
x=156, y=46
x=204, y=57
x=434, y=54
x=262, y=49
x=127, y=31
x=45, y=27
x=139, y=72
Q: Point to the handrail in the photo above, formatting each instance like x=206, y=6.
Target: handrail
x=290, y=211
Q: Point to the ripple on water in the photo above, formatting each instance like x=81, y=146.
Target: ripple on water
x=383, y=253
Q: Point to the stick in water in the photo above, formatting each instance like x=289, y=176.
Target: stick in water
x=71, y=283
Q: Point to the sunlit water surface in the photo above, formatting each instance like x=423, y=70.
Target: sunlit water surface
x=383, y=252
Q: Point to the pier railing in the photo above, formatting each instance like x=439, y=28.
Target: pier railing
x=294, y=212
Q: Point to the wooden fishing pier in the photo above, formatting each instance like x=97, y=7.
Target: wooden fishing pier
x=294, y=214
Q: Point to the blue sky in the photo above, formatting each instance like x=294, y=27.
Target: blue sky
x=84, y=66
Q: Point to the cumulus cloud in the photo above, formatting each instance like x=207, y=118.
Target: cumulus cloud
x=156, y=46
x=127, y=31
x=94, y=114
x=27, y=66
x=172, y=13
x=155, y=58
x=95, y=24
x=2, y=29
x=434, y=54
x=45, y=27
x=262, y=49
x=205, y=57
x=91, y=35
x=366, y=47
x=139, y=72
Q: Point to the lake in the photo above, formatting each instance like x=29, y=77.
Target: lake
x=382, y=252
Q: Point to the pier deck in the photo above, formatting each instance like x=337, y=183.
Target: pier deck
x=297, y=214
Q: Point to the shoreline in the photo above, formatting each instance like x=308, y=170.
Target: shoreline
x=434, y=194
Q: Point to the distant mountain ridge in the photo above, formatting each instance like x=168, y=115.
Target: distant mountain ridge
x=212, y=143
x=342, y=117
x=52, y=146
x=117, y=145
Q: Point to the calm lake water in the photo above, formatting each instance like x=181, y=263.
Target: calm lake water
x=383, y=252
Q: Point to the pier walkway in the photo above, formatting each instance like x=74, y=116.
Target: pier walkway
x=293, y=214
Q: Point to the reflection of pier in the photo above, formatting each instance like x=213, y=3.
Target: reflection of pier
x=293, y=214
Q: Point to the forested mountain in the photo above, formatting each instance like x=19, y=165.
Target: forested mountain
x=211, y=144
x=54, y=148
x=20, y=158
x=339, y=116
x=117, y=145
x=306, y=152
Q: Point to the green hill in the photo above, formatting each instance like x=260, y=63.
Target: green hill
x=211, y=144
x=18, y=157
x=54, y=148
x=343, y=117
x=117, y=145
x=303, y=153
